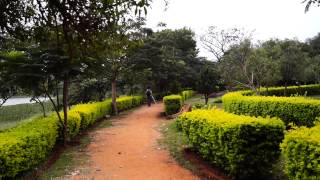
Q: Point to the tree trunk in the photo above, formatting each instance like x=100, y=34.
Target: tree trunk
x=267, y=91
x=114, y=96
x=206, y=98
x=65, y=107
x=43, y=109
x=57, y=94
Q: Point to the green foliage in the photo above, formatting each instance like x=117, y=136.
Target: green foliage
x=16, y=113
x=297, y=110
x=27, y=145
x=301, y=148
x=241, y=145
x=208, y=82
x=172, y=104
x=187, y=94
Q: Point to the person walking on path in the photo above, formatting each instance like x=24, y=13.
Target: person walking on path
x=150, y=98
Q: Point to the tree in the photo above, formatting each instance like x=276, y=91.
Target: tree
x=309, y=3
x=169, y=60
x=208, y=82
x=219, y=41
x=292, y=59
x=74, y=24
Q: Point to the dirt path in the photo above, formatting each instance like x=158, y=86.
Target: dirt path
x=129, y=150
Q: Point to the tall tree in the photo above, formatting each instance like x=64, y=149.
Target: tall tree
x=219, y=41
x=208, y=82
x=74, y=24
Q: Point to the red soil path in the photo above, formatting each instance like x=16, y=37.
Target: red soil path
x=129, y=150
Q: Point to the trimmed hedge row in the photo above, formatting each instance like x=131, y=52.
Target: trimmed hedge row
x=241, y=145
x=173, y=103
x=297, y=110
x=27, y=145
x=301, y=148
x=187, y=94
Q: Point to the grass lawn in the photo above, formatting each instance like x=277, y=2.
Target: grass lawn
x=198, y=99
x=10, y=116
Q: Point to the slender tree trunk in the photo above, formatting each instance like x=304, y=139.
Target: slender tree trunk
x=43, y=109
x=206, y=98
x=114, y=96
x=65, y=107
x=57, y=94
x=267, y=90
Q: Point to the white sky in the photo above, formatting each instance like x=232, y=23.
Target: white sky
x=268, y=18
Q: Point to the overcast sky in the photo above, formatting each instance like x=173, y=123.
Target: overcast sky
x=269, y=18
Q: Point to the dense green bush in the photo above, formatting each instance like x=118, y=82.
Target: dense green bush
x=313, y=89
x=297, y=110
x=27, y=145
x=301, y=149
x=187, y=94
x=172, y=104
x=241, y=145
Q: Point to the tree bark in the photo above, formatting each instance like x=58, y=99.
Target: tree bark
x=206, y=98
x=65, y=107
x=114, y=96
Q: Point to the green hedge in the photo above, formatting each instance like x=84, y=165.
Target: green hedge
x=241, y=145
x=187, y=94
x=301, y=149
x=27, y=145
x=297, y=110
x=172, y=104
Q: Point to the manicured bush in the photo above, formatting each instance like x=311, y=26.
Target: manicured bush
x=27, y=145
x=187, y=94
x=301, y=148
x=297, y=110
x=312, y=89
x=241, y=145
x=172, y=104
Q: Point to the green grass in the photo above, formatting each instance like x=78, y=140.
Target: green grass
x=175, y=142
x=10, y=116
x=198, y=99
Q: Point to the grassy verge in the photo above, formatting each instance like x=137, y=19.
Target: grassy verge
x=10, y=116
x=175, y=142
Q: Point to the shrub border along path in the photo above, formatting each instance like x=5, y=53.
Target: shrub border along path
x=241, y=145
x=301, y=111
x=27, y=145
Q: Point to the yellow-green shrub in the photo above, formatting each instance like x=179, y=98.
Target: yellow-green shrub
x=27, y=145
x=301, y=148
x=187, y=94
x=298, y=110
x=172, y=104
x=241, y=145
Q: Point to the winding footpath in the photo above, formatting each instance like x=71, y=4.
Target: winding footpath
x=129, y=150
